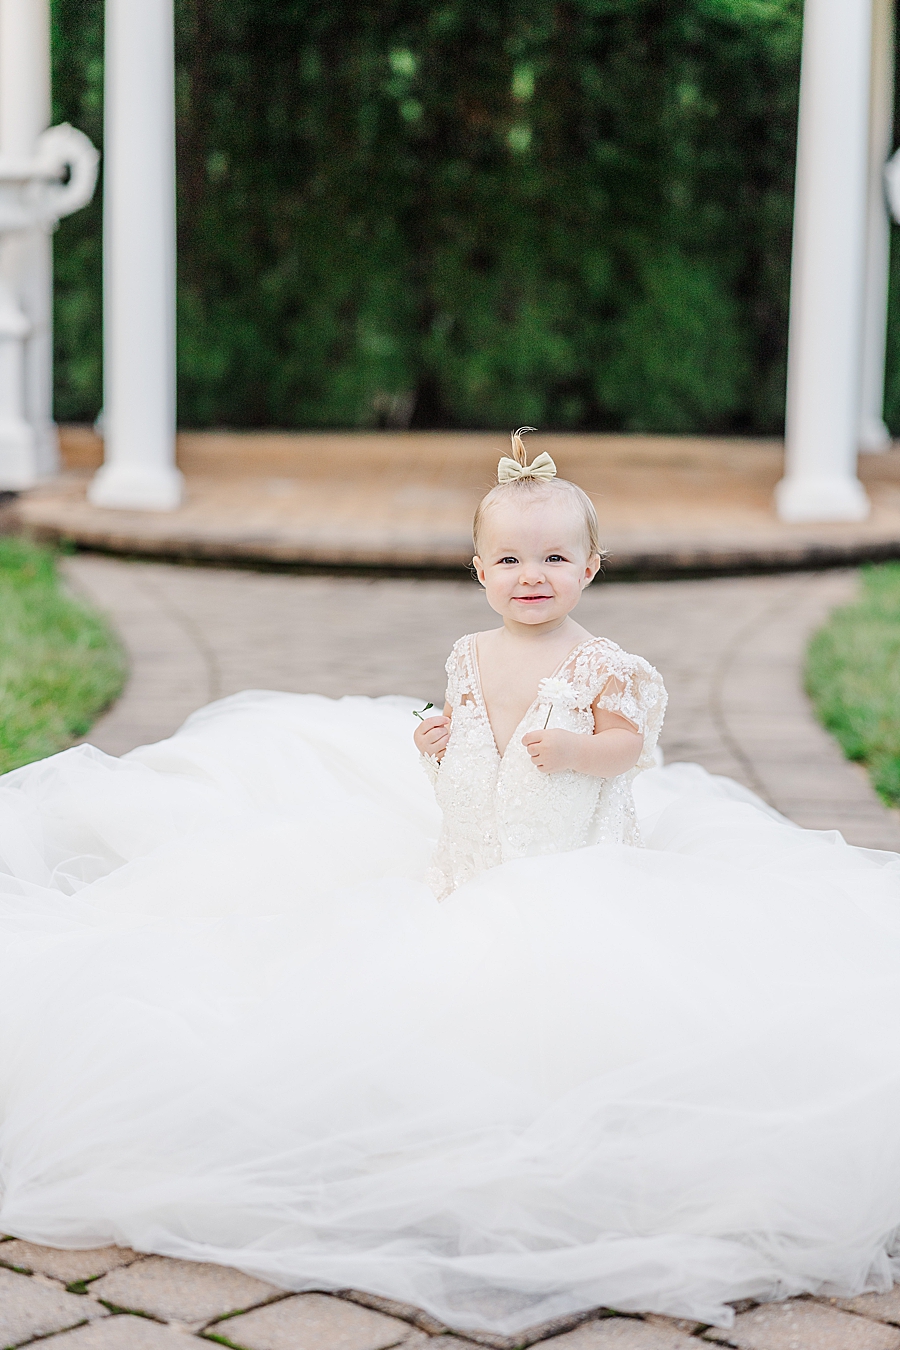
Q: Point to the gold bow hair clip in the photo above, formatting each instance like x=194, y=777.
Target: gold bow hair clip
x=508, y=470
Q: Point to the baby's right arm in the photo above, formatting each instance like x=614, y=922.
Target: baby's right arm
x=432, y=735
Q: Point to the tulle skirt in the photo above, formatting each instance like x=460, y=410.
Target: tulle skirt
x=236, y=1026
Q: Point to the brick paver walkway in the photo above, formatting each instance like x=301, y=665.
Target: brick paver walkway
x=730, y=651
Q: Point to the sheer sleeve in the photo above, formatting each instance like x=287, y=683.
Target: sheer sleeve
x=455, y=676
x=610, y=678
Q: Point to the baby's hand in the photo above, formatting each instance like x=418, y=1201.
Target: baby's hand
x=552, y=751
x=432, y=735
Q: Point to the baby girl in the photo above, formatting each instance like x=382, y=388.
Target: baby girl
x=544, y=726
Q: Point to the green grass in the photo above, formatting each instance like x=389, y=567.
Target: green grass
x=853, y=678
x=60, y=664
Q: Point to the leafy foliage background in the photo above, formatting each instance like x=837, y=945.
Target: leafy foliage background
x=464, y=212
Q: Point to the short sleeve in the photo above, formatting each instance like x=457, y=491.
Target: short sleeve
x=634, y=689
x=458, y=675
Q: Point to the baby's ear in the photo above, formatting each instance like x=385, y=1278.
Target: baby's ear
x=478, y=566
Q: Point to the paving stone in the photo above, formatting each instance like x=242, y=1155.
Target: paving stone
x=313, y=1322
x=450, y=1340
x=689, y=1325
x=64, y=1264
x=621, y=1333
x=542, y=1332
x=420, y=1340
x=29, y=1309
x=125, y=1333
x=805, y=1325
x=883, y=1307
x=183, y=1291
x=392, y=1307
x=496, y=1342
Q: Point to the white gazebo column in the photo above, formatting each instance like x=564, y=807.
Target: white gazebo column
x=28, y=261
x=828, y=266
x=19, y=101
x=873, y=434
x=139, y=260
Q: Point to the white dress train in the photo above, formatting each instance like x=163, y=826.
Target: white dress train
x=237, y=1026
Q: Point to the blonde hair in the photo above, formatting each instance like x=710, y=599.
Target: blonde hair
x=532, y=487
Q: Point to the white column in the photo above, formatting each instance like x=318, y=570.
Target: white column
x=24, y=100
x=873, y=434
x=35, y=270
x=24, y=75
x=828, y=266
x=139, y=260
x=18, y=461
x=35, y=264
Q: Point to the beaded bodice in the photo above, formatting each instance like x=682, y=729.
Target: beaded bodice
x=497, y=807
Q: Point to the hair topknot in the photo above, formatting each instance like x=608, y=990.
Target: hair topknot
x=518, y=445
x=542, y=483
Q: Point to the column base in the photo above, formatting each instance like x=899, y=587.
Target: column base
x=134, y=487
x=809, y=498
x=46, y=436
x=18, y=458
x=874, y=437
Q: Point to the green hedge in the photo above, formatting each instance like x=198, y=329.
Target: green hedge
x=464, y=212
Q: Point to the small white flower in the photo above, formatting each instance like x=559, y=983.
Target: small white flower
x=557, y=691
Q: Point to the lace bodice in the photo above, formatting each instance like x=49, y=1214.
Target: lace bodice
x=497, y=807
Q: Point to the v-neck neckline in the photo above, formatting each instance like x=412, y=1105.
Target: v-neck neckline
x=479, y=691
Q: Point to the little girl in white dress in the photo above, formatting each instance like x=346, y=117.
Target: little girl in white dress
x=644, y=1053
x=537, y=546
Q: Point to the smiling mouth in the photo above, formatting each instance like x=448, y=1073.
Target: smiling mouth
x=530, y=599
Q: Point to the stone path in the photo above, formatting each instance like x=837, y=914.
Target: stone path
x=115, y=1299
x=730, y=651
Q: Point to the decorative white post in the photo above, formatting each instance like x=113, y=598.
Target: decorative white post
x=873, y=434
x=18, y=458
x=33, y=164
x=22, y=100
x=828, y=266
x=139, y=260
x=28, y=260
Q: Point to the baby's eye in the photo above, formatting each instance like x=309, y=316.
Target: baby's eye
x=509, y=559
x=556, y=557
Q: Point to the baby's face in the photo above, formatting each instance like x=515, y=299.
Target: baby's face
x=533, y=562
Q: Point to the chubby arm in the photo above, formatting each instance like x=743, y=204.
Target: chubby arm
x=432, y=735
x=614, y=748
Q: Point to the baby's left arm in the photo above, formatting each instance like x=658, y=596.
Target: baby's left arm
x=614, y=748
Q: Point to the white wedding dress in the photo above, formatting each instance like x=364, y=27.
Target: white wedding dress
x=237, y=1026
